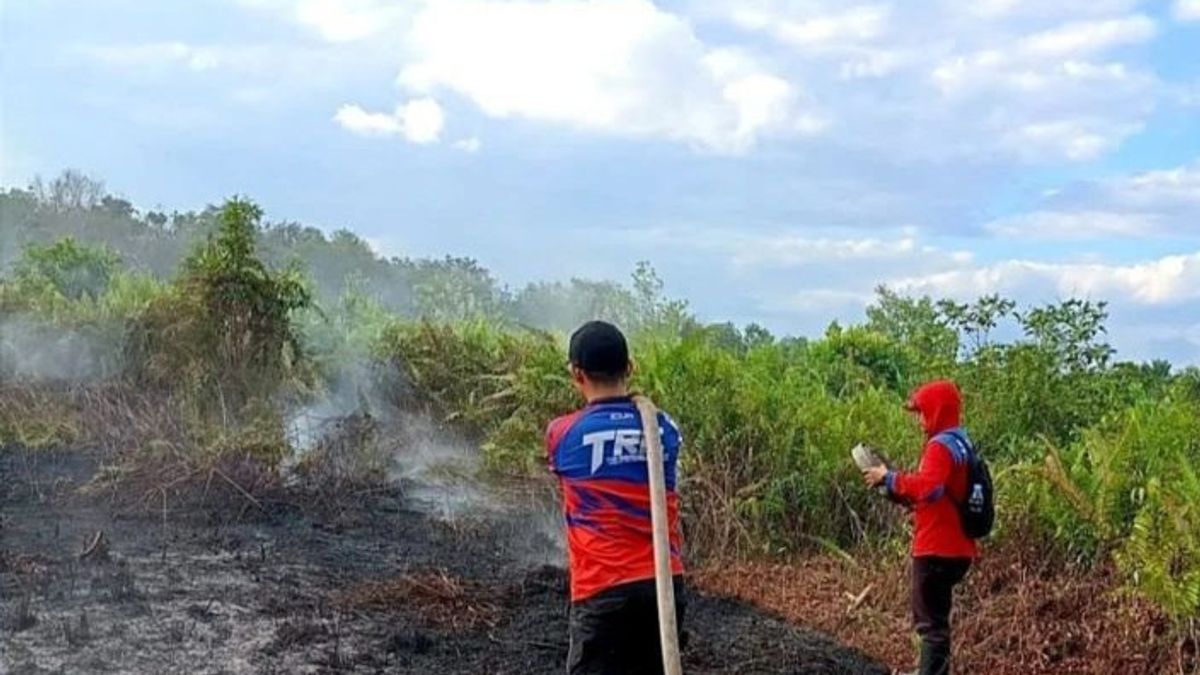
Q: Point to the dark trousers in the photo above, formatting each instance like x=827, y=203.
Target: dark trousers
x=616, y=631
x=933, y=582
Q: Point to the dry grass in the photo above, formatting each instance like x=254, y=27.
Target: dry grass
x=441, y=600
x=1015, y=616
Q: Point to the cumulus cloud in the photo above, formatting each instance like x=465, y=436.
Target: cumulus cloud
x=340, y=21
x=1169, y=280
x=616, y=66
x=1152, y=303
x=420, y=121
x=1014, y=79
x=836, y=27
x=1031, y=81
x=794, y=250
x=1084, y=224
x=1187, y=10
x=1163, y=202
x=1074, y=139
x=1085, y=37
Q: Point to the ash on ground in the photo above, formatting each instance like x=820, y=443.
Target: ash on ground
x=370, y=583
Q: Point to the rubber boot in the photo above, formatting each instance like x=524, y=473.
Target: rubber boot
x=935, y=659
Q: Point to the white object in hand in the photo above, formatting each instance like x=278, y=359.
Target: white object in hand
x=866, y=458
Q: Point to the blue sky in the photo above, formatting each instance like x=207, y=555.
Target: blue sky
x=775, y=159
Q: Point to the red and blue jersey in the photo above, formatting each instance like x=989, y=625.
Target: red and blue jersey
x=598, y=456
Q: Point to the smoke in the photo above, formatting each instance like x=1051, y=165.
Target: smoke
x=355, y=426
x=37, y=351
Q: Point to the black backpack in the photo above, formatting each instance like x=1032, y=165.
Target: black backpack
x=978, y=511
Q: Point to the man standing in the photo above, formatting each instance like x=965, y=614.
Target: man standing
x=600, y=460
x=942, y=552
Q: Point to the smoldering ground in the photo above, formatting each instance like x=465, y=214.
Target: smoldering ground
x=374, y=585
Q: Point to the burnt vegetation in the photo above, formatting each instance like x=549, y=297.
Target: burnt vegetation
x=241, y=408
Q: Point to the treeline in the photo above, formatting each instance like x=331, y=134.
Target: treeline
x=1095, y=459
x=442, y=289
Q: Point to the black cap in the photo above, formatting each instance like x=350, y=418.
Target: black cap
x=598, y=348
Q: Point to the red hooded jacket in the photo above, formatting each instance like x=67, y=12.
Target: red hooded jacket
x=940, y=483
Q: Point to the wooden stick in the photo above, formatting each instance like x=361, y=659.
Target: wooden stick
x=664, y=581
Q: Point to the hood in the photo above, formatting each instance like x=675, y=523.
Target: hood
x=939, y=405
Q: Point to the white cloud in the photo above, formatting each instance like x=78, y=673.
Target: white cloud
x=1018, y=79
x=1187, y=10
x=469, y=145
x=340, y=21
x=1074, y=139
x=354, y=118
x=1072, y=225
x=855, y=24
x=156, y=54
x=1180, y=185
x=1086, y=37
x=420, y=121
x=894, y=250
x=995, y=9
x=1162, y=203
x=794, y=250
x=1050, y=95
x=820, y=301
x=616, y=66
x=1169, y=280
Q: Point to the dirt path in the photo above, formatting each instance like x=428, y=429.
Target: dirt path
x=368, y=585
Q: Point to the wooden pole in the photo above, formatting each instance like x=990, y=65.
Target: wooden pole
x=660, y=524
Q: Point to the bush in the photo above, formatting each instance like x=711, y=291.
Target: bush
x=224, y=332
x=1130, y=485
x=497, y=387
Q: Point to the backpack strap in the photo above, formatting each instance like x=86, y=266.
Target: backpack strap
x=955, y=440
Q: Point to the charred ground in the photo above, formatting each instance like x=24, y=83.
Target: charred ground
x=368, y=582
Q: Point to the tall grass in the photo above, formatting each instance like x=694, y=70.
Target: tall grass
x=1093, y=464
x=1094, y=460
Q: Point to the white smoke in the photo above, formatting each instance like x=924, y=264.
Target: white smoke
x=36, y=351
x=440, y=475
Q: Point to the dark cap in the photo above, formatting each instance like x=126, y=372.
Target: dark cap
x=598, y=348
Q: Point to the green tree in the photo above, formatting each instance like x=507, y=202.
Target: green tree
x=67, y=268
x=455, y=289
x=225, y=333
x=654, y=312
x=918, y=323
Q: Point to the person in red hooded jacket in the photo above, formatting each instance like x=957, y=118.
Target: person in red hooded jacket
x=942, y=552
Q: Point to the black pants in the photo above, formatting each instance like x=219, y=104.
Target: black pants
x=933, y=585
x=616, y=631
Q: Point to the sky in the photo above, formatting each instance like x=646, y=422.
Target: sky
x=776, y=160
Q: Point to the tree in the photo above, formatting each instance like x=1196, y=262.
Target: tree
x=654, y=312
x=977, y=320
x=559, y=306
x=67, y=268
x=71, y=190
x=1070, y=330
x=918, y=323
x=455, y=289
x=225, y=334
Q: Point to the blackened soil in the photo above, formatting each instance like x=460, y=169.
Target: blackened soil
x=278, y=587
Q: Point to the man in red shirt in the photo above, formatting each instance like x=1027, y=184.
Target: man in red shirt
x=942, y=552
x=600, y=461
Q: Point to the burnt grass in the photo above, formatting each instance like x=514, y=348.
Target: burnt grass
x=294, y=583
